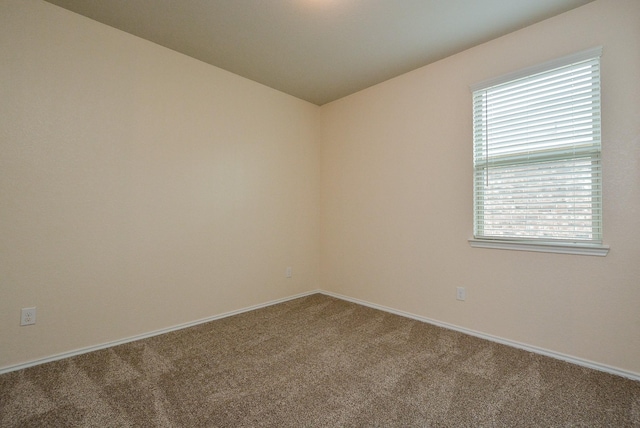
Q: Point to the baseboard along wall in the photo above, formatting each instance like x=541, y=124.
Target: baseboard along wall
x=88, y=349
x=557, y=355
x=552, y=354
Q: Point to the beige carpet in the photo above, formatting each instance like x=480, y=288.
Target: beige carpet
x=315, y=362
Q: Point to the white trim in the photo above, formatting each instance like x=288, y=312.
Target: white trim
x=560, y=248
x=513, y=344
x=88, y=349
x=529, y=348
x=539, y=68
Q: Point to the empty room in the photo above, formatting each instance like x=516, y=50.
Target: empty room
x=319, y=213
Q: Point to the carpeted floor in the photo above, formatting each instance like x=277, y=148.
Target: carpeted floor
x=315, y=362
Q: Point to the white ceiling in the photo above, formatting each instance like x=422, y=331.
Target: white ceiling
x=319, y=50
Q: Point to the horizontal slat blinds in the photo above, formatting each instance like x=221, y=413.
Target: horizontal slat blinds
x=537, y=156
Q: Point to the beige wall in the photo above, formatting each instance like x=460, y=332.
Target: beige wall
x=139, y=188
x=396, y=169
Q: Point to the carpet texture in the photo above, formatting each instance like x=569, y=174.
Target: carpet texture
x=316, y=361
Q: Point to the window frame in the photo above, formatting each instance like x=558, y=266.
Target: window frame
x=581, y=247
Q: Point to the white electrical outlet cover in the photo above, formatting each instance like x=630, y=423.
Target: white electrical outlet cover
x=28, y=316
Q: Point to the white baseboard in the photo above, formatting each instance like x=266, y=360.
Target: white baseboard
x=513, y=344
x=87, y=349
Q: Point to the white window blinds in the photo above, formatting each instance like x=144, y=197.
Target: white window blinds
x=537, y=170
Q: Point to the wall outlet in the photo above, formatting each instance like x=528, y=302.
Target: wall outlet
x=288, y=273
x=461, y=293
x=28, y=316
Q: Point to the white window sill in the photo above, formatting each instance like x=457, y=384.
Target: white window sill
x=561, y=248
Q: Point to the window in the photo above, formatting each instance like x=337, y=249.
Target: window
x=536, y=157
